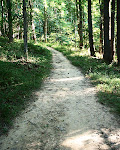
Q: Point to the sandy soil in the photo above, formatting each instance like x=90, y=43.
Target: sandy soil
x=65, y=116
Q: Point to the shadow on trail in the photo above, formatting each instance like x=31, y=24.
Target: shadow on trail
x=53, y=131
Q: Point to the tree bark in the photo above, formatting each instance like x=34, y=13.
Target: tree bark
x=10, y=33
x=101, y=27
x=81, y=25
x=77, y=9
x=112, y=27
x=90, y=29
x=45, y=20
x=20, y=31
x=107, y=49
x=2, y=29
x=39, y=31
x=32, y=36
x=25, y=27
x=118, y=31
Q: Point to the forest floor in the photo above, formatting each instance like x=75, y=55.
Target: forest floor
x=64, y=116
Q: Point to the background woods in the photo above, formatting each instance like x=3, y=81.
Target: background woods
x=93, y=24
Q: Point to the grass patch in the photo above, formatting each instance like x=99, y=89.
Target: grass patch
x=19, y=78
x=105, y=77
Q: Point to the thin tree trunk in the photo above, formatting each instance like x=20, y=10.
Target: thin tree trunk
x=30, y=13
x=101, y=27
x=39, y=31
x=45, y=20
x=21, y=24
x=6, y=32
x=75, y=15
x=2, y=29
x=25, y=27
x=112, y=27
x=84, y=31
x=77, y=9
x=107, y=49
x=118, y=31
x=20, y=31
x=90, y=29
x=81, y=25
x=33, y=36
x=10, y=33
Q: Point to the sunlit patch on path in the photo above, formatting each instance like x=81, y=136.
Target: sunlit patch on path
x=66, y=79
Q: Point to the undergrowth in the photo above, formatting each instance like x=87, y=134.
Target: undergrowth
x=105, y=77
x=19, y=78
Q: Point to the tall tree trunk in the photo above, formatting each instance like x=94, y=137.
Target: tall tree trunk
x=25, y=27
x=112, y=27
x=6, y=32
x=21, y=24
x=101, y=27
x=76, y=15
x=20, y=31
x=81, y=25
x=118, y=31
x=107, y=49
x=2, y=29
x=39, y=31
x=90, y=29
x=10, y=33
x=74, y=21
x=33, y=36
x=77, y=9
x=45, y=20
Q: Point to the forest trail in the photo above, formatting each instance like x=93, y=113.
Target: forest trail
x=65, y=116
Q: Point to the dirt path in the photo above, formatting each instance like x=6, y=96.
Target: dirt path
x=65, y=116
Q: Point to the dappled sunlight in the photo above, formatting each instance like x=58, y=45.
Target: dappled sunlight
x=66, y=79
x=90, y=140
x=114, y=137
x=65, y=92
x=33, y=145
x=83, y=141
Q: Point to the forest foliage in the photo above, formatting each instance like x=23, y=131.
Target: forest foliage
x=84, y=24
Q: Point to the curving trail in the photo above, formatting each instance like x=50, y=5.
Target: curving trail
x=65, y=116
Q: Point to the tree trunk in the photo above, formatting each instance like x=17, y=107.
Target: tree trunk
x=2, y=29
x=20, y=31
x=81, y=25
x=6, y=32
x=112, y=27
x=32, y=36
x=101, y=27
x=75, y=15
x=25, y=27
x=118, y=31
x=107, y=49
x=45, y=20
x=90, y=29
x=39, y=31
x=77, y=9
x=10, y=33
